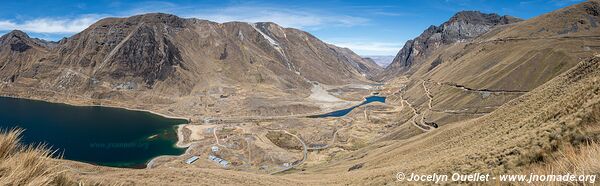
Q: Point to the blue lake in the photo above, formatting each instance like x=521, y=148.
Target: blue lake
x=343, y=112
x=98, y=135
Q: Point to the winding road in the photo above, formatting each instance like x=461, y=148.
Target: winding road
x=216, y=138
x=304, y=153
x=332, y=138
x=464, y=88
x=416, y=113
x=422, y=124
x=428, y=93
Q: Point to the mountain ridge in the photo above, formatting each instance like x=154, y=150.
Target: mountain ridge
x=163, y=59
x=462, y=26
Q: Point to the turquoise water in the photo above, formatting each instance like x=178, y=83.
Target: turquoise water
x=98, y=135
x=343, y=112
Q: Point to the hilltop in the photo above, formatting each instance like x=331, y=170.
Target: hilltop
x=461, y=27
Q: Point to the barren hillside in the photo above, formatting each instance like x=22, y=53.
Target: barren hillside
x=164, y=62
x=476, y=76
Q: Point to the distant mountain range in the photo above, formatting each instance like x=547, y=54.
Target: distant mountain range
x=382, y=61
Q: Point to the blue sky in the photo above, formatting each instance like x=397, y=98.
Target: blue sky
x=367, y=27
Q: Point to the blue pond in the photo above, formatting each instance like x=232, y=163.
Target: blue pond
x=343, y=112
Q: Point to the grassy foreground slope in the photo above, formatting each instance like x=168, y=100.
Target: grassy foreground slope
x=526, y=131
x=27, y=165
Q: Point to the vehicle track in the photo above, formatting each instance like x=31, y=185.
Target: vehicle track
x=304, y=153
x=333, y=138
x=428, y=93
x=464, y=88
x=416, y=113
x=216, y=137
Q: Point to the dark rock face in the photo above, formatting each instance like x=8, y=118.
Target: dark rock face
x=404, y=57
x=17, y=40
x=19, y=47
x=17, y=52
x=592, y=8
x=469, y=24
x=223, y=55
x=435, y=63
x=145, y=55
x=355, y=167
x=139, y=46
x=462, y=26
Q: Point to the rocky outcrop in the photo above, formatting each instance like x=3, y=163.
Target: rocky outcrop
x=19, y=41
x=18, y=52
x=461, y=27
x=139, y=46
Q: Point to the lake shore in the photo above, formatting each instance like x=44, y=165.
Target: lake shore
x=181, y=137
x=179, y=144
x=84, y=104
x=179, y=131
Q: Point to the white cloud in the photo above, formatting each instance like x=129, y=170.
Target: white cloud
x=285, y=17
x=295, y=17
x=50, y=25
x=306, y=19
x=372, y=48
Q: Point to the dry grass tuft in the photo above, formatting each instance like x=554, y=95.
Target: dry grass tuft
x=584, y=160
x=27, y=164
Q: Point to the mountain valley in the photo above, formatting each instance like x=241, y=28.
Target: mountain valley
x=480, y=93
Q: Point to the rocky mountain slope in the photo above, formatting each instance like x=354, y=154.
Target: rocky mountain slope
x=19, y=52
x=159, y=58
x=471, y=78
x=461, y=27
